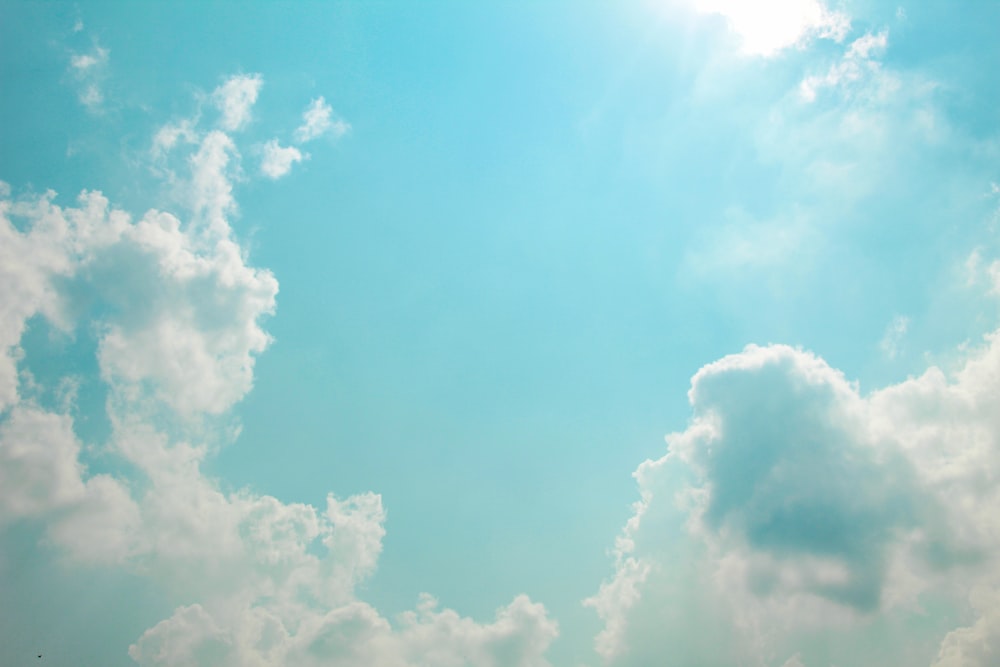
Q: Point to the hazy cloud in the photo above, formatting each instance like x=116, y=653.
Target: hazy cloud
x=859, y=61
x=317, y=120
x=88, y=70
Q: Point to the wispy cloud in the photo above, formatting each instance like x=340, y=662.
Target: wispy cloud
x=318, y=119
x=235, y=99
x=859, y=61
x=893, y=337
x=88, y=70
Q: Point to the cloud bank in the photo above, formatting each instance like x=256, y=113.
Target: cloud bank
x=178, y=318
x=797, y=503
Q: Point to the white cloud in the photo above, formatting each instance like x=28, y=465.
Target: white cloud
x=352, y=635
x=88, y=70
x=793, y=503
x=210, y=187
x=86, y=61
x=177, y=312
x=185, y=308
x=979, y=644
x=858, y=62
x=318, y=120
x=766, y=28
x=278, y=159
x=168, y=137
x=235, y=99
x=39, y=469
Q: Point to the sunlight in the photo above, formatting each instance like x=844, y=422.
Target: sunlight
x=765, y=28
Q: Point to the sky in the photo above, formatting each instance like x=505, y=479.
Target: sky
x=557, y=334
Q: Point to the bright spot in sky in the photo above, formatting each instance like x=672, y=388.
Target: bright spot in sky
x=767, y=27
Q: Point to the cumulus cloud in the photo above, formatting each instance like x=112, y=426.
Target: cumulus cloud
x=317, y=120
x=979, y=644
x=278, y=159
x=40, y=471
x=172, y=294
x=767, y=28
x=177, y=313
x=353, y=635
x=235, y=99
x=796, y=503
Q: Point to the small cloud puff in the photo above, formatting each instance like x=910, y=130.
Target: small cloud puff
x=235, y=98
x=278, y=159
x=88, y=60
x=87, y=69
x=317, y=120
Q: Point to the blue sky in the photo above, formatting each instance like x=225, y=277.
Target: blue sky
x=350, y=334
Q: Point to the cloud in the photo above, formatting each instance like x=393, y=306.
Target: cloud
x=894, y=334
x=87, y=61
x=858, y=62
x=979, y=644
x=767, y=28
x=169, y=294
x=177, y=315
x=318, y=120
x=278, y=159
x=792, y=502
x=40, y=471
x=352, y=635
x=170, y=135
x=210, y=187
x=89, y=71
x=235, y=99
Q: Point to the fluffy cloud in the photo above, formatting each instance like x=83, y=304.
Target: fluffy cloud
x=979, y=644
x=792, y=502
x=177, y=314
x=235, y=98
x=353, y=635
x=278, y=159
x=166, y=294
x=40, y=471
x=318, y=120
